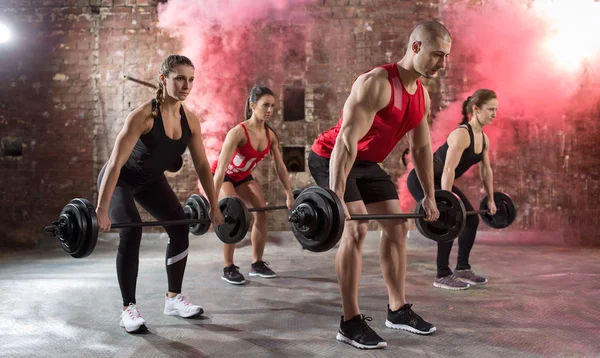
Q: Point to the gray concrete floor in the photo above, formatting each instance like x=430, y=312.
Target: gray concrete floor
x=541, y=301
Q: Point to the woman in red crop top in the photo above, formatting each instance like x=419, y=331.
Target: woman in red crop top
x=245, y=146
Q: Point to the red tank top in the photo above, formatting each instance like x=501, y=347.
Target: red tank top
x=403, y=113
x=245, y=158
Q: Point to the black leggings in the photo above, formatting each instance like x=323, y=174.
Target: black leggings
x=465, y=240
x=161, y=202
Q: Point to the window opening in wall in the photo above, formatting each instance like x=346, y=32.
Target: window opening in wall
x=294, y=158
x=293, y=104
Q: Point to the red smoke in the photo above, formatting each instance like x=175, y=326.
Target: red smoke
x=520, y=52
x=232, y=45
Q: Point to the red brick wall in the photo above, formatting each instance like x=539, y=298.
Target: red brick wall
x=63, y=93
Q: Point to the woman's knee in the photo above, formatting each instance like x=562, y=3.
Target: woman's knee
x=261, y=219
x=179, y=235
x=130, y=239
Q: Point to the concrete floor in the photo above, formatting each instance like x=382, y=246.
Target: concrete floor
x=541, y=301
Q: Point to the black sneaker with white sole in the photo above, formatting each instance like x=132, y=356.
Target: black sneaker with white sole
x=406, y=319
x=357, y=333
x=232, y=275
x=262, y=269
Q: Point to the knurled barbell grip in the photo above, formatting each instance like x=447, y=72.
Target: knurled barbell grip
x=295, y=217
x=165, y=223
x=386, y=216
x=475, y=212
x=268, y=208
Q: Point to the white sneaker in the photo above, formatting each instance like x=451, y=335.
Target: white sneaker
x=132, y=320
x=180, y=306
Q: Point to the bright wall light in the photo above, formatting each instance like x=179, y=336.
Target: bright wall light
x=573, y=30
x=4, y=33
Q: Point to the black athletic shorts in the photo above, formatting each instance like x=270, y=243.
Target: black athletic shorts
x=237, y=183
x=367, y=181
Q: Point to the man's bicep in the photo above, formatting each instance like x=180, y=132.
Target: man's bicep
x=361, y=107
x=357, y=121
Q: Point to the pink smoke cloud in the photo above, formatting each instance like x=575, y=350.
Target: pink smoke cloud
x=516, y=50
x=233, y=44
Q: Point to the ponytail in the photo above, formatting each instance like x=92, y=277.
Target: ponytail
x=159, y=99
x=465, y=111
x=248, y=109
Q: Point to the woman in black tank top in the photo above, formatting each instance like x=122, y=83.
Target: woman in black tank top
x=466, y=146
x=154, y=136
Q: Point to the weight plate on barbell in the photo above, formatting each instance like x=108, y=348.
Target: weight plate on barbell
x=321, y=232
x=452, y=218
x=91, y=226
x=237, y=220
x=197, y=207
x=506, y=212
x=297, y=192
x=72, y=228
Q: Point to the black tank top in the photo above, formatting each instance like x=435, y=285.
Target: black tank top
x=154, y=152
x=468, y=158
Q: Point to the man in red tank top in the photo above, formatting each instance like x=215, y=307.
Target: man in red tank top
x=384, y=104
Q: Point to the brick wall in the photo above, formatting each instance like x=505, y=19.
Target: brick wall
x=63, y=94
x=47, y=103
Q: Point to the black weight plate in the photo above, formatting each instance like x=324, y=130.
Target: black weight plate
x=91, y=230
x=452, y=218
x=237, y=220
x=72, y=228
x=327, y=227
x=197, y=207
x=297, y=192
x=315, y=226
x=506, y=212
x=83, y=234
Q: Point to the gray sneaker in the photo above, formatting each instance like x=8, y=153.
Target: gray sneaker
x=450, y=283
x=470, y=277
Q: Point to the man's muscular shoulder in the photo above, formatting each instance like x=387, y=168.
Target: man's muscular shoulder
x=373, y=87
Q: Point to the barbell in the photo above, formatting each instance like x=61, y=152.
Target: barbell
x=317, y=218
x=77, y=226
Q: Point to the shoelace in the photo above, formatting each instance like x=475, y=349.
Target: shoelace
x=410, y=313
x=232, y=268
x=184, y=299
x=262, y=264
x=133, y=311
x=473, y=274
x=363, y=326
x=465, y=270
